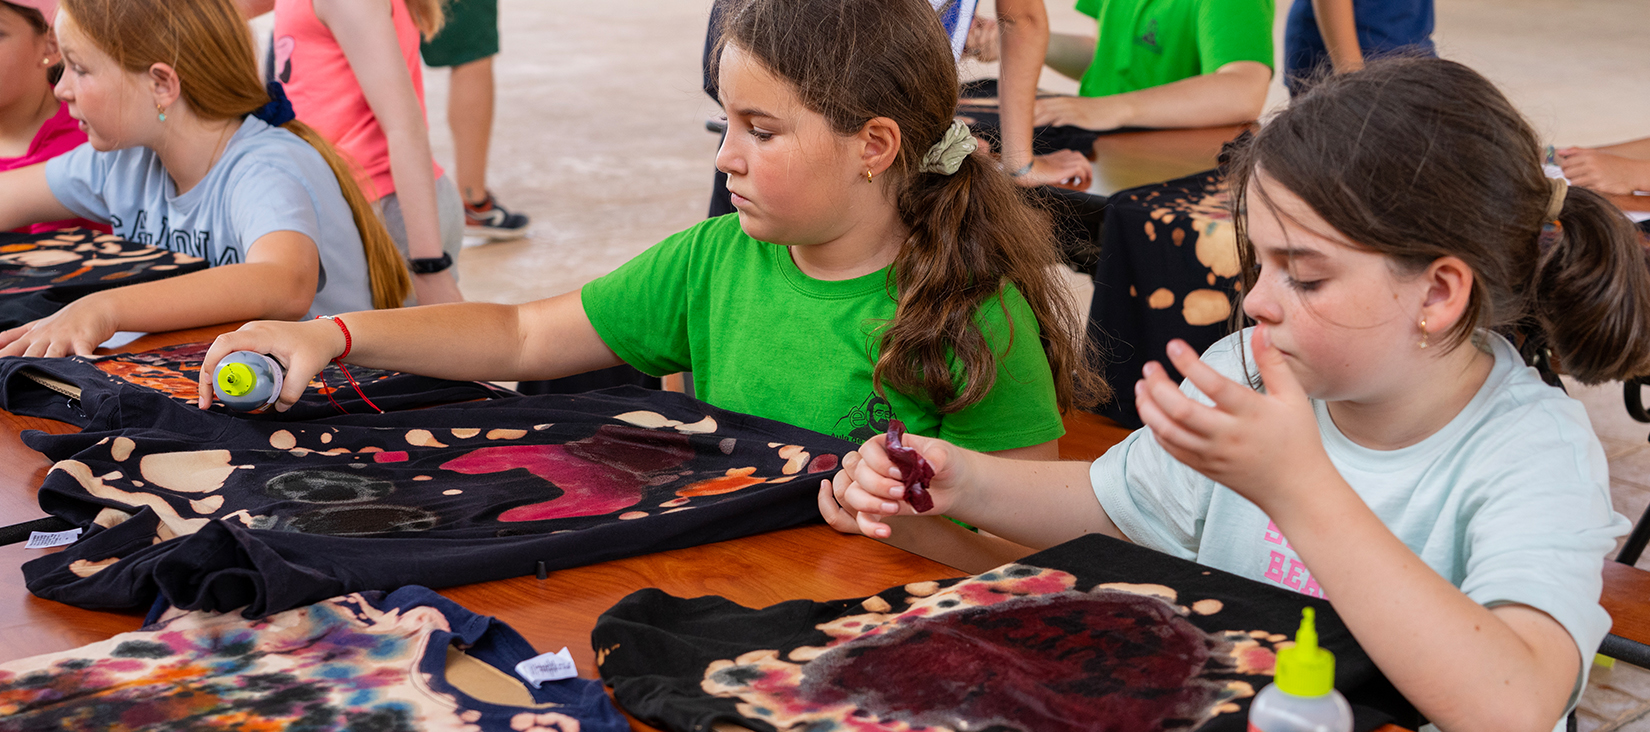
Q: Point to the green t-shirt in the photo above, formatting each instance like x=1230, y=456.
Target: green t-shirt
x=1147, y=43
x=763, y=338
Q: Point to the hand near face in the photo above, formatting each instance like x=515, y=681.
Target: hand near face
x=1262, y=445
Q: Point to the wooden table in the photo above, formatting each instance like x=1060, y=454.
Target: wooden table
x=810, y=562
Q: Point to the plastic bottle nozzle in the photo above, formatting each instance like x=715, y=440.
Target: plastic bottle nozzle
x=236, y=379
x=1304, y=669
x=247, y=381
x=1306, y=638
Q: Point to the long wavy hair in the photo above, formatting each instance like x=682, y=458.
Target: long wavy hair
x=209, y=45
x=971, y=233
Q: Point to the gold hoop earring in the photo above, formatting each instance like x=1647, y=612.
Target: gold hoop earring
x=1423, y=332
x=868, y=177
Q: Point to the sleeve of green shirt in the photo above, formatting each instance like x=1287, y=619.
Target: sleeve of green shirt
x=640, y=309
x=1234, y=30
x=1020, y=409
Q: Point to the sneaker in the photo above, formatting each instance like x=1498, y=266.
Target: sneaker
x=491, y=221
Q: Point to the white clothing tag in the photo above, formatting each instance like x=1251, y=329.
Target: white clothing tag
x=49, y=539
x=121, y=338
x=548, y=667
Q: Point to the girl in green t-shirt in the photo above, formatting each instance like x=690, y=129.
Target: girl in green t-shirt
x=841, y=149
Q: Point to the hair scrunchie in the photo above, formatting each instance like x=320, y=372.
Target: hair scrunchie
x=947, y=154
x=279, y=109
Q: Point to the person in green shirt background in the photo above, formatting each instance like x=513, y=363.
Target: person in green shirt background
x=1164, y=63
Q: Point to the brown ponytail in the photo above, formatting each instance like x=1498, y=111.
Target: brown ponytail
x=971, y=233
x=209, y=45
x=1421, y=158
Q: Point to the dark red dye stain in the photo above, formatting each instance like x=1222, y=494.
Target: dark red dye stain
x=914, y=470
x=1070, y=661
x=598, y=475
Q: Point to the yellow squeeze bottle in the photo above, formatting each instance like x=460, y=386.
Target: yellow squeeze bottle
x=1302, y=698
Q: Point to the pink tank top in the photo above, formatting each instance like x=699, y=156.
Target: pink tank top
x=58, y=135
x=325, y=94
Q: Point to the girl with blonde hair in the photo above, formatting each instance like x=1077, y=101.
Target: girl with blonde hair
x=190, y=152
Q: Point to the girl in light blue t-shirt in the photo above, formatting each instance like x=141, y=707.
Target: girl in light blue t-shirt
x=189, y=152
x=1400, y=460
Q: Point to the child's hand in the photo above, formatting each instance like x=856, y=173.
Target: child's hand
x=1262, y=445
x=982, y=40
x=74, y=330
x=1603, y=172
x=868, y=488
x=1093, y=113
x=303, y=348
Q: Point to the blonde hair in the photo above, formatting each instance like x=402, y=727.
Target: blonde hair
x=428, y=15
x=208, y=44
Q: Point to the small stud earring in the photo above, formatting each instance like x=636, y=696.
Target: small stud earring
x=1423, y=332
x=47, y=61
x=868, y=176
x=162, y=111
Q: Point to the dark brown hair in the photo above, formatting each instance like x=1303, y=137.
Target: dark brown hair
x=971, y=233
x=1421, y=158
x=210, y=46
x=37, y=20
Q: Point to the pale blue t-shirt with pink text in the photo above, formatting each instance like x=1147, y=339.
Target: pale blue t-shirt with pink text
x=1510, y=501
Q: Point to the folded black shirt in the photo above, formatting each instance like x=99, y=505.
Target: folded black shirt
x=1094, y=634
x=214, y=511
x=40, y=273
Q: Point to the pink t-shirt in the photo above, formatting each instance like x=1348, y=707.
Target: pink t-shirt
x=58, y=135
x=326, y=95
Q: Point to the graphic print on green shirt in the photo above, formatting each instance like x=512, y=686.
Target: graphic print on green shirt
x=1170, y=40
x=763, y=338
x=865, y=421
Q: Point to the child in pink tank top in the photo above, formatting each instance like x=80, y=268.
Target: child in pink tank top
x=34, y=127
x=351, y=69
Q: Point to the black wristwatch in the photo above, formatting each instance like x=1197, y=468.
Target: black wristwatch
x=432, y=265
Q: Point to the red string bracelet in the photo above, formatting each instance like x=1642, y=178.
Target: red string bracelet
x=348, y=344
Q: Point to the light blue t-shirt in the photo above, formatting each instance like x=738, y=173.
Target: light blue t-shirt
x=266, y=180
x=1510, y=501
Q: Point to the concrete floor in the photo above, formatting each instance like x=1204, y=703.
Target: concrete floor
x=600, y=138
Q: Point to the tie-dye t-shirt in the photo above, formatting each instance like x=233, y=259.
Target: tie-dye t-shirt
x=75, y=386
x=1168, y=269
x=215, y=511
x=365, y=661
x=1093, y=634
x=40, y=273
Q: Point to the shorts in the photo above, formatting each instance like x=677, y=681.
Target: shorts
x=470, y=34
x=449, y=208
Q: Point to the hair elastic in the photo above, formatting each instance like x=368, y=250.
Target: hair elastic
x=1558, y=190
x=946, y=156
x=279, y=110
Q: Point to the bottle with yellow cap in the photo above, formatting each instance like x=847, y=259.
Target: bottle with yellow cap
x=247, y=381
x=1303, y=696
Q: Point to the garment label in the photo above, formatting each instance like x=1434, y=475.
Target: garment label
x=49, y=539
x=547, y=667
